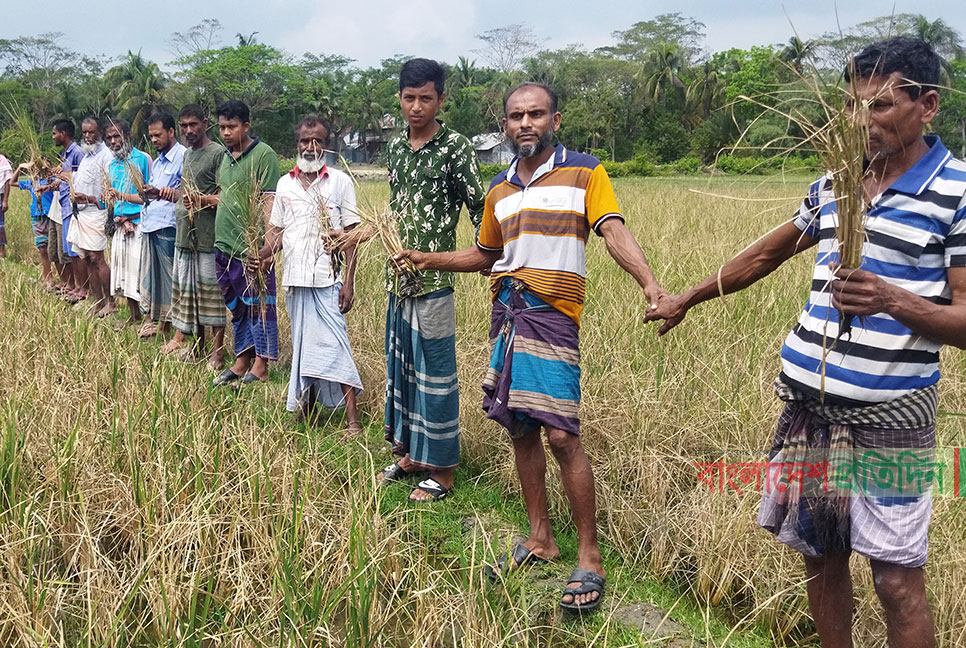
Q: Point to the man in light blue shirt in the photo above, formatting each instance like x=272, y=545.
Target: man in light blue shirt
x=158, y=224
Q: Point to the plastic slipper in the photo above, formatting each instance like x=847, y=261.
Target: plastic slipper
x=589, y=582
x=225, y=377
x=521, y=558
x=249, y=378
x=431, y=487
x=394, y=473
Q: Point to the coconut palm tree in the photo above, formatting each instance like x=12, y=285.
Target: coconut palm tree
x=798, y=52
x=139, y=88
x=661, y=70
x=943, y=38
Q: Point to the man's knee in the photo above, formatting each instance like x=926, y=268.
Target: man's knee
x=562, y=444
x=900, y=589
x=830, y=563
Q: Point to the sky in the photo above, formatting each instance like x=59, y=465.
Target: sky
x=371, y=30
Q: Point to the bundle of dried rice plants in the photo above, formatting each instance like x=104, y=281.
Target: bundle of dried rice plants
x=382, y=226
x=830, y=120
x=251, y=204
x=137, y=179
x=23, y=128
x=190, y=191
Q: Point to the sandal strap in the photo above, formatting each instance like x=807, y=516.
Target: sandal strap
x=433, y=487
x=586, y=576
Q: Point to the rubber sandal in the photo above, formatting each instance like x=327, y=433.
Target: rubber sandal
x=589, y=582
x=431, y=487
x=225, y=377
x=250, y=378
x=394, y=473
x=521, y=557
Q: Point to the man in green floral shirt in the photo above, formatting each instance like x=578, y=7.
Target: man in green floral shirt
x=433, y=172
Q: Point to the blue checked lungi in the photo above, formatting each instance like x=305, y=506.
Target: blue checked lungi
x=422, y=393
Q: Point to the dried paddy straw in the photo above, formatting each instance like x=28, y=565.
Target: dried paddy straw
x=382, y=225
x=834, y=123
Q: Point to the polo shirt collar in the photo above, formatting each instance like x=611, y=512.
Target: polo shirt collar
x=918, y=178
x=558, y=158
x=255, y=141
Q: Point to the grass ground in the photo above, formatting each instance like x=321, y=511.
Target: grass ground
x=140, y=506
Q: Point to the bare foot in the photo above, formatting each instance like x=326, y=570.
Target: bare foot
x=353, y=430
x=108, y=309
x=148, y=329
x=173, y=345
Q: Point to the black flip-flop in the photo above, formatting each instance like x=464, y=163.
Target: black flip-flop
x=431, y=487
x=589, y=582
x=521, y=558
x=394, y=473
x=249, y=378
x=225, y=377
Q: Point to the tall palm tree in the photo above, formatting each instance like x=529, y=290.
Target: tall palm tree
x=464, y=74
x=139, y=88
x=705, y=92
x=798, y=52
x=943, y=38
x=661, y=70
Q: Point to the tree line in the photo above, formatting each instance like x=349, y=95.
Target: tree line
x=654, y=96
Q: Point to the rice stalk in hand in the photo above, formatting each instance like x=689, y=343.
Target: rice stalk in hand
x=382, y=225
x=252, y=205
x=832, y=121
x=23, y=127
x=108, y=192
x=137, y=179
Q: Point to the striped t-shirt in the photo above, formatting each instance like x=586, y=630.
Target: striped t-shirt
x=542, y=227
x=914, y=231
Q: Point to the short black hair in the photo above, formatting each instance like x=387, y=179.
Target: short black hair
x=912, y=57
x=65, y=126
x=96, y=120
x=532, y=84
x=234, y=109
x=309, y=122
x=417, y=72
x=193, y=110
x=167, y=121
x=119, y=123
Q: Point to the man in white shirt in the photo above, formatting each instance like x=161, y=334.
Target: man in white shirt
x=86, y=232
x=313, y=204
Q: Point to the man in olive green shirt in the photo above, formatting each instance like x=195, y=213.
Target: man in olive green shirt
x=195, y=295
x=433, y=172
x=247, y=178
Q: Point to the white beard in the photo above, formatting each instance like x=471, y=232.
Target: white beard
x=88, y=148
x=310, y=165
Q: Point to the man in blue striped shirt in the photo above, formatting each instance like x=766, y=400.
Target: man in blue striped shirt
x=876, y=390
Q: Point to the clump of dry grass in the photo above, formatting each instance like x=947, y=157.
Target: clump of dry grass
x=381, y=224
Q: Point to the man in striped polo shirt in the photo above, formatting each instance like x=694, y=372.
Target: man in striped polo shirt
x=876, y=391
x=536, y=220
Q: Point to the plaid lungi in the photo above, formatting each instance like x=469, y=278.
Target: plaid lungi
x=253, y=317
x=866, y=512
x=195, y=295
x=422, y=393
x=534, y=374
x=157, y=265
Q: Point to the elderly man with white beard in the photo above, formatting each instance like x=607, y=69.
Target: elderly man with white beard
x=86, y=230
x=313, y=205
x=126, y=242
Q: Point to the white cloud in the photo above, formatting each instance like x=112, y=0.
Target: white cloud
x=371, y=30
